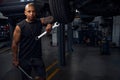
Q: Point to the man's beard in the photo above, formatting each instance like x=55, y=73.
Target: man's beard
x=32, y=18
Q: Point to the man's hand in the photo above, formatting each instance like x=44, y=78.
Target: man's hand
x=15, y=62
x=48, y=28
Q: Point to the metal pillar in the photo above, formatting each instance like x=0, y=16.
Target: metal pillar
x=69, y=38
x=61, y=44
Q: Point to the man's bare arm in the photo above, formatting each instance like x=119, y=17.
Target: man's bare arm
x=15, y=42
x=47, y=20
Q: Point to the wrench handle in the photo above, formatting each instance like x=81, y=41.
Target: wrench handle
x=38, y=37
x=25, y=73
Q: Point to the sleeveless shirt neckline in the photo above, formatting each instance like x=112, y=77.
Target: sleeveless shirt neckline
x=31, y=21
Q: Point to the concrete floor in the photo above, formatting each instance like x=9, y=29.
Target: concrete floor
x=85, y=63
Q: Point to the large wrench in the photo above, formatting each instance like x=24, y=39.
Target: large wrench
x=25, y=73
x=56, y=24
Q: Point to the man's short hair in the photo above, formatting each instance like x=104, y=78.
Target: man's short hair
x=30, y=4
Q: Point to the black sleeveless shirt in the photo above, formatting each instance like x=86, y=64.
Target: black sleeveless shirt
x=29, y=47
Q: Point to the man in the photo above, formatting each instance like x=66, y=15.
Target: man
x=26, y=50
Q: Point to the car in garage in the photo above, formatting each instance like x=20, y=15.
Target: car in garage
x=15, y=8
x=64, y=10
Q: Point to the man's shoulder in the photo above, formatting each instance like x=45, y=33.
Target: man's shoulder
x=21, y=22
x=37, y=20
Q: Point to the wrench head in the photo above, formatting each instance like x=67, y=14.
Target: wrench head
x=56, y=24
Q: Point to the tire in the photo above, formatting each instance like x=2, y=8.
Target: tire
x=61, y=11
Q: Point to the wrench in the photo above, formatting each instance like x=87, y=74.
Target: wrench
x=25, y=73
x=56, y=24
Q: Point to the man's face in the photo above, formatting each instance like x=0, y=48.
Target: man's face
x=30, y=13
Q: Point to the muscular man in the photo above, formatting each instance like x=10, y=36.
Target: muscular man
x=26, y=50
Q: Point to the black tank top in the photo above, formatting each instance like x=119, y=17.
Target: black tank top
x=29, y=47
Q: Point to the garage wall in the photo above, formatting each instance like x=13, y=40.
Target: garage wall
x=116, y=30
